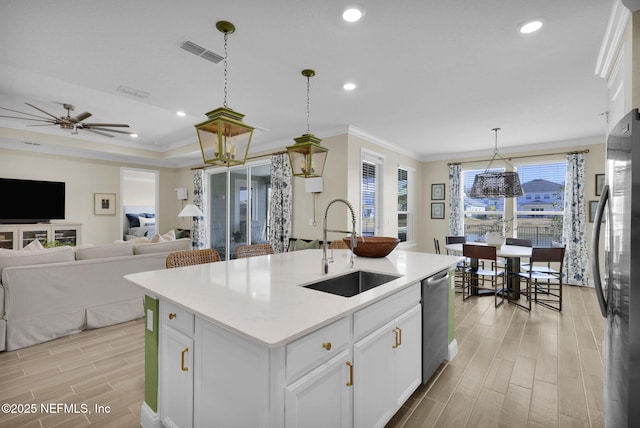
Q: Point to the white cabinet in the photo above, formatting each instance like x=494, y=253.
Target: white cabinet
x=175, y=362
x=323, y=397
x=18, y=236
x=388, y=369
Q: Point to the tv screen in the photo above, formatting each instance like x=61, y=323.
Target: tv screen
x=31, y=201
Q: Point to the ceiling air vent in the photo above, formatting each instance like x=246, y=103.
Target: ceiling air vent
x=201, y=52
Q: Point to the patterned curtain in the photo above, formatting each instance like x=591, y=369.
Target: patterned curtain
x=455, y=201
x=199, y=238
x=576, y=259
x=281, y=204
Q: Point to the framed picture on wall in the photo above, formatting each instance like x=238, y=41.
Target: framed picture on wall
x=593, y=206
x=437, y=210
x=104, y=203
x=437, y=192
x=599, y=184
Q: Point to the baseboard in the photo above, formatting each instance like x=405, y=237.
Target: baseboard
x=453, y=350
x=149, y=418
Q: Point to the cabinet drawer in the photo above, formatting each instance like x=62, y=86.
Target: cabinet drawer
x=176, y=317
x=372, y=317
x=315, y=348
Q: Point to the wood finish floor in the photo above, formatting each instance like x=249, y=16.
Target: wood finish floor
x=513, y=369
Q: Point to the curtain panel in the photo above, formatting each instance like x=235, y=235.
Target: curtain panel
x=576, y=258
x=199, y=238
x=455, y=201
x=281, y=203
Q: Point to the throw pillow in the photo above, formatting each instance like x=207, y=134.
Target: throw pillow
x=147, y=215
x=302, y=245
x=34, y=245
x=133, y=220
x=156, y=238
x=144, y=221
x=169, y=236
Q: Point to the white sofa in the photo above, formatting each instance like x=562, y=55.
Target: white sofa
x=55, y=292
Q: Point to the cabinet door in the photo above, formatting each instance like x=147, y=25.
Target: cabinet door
x=408, y=355
x=30, y=233
x=322, y=398
x=67, y=235
x=176, y=378
x=373, y=378
x=8, y=238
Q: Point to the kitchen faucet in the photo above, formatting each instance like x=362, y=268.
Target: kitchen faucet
x=354, y=242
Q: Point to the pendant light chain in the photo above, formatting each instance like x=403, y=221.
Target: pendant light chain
x=226, y=74
x=308, y=102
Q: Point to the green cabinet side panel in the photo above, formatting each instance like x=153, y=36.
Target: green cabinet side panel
x=452, y=307
x=151, y=309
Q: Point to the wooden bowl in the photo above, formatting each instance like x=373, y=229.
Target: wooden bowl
x=373, y=246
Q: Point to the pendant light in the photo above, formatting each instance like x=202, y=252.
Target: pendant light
x=224, y=138
x=496, y=184
x=307, y=156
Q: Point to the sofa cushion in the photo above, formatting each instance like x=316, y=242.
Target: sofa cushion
x=163, y=247
x=10, y=258
x=302, y=245
x=103, y=251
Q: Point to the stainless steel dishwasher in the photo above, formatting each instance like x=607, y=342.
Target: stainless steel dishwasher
x=435, y=322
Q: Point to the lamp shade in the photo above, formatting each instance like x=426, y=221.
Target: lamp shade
x=503, y=184
x=307, y=156
x=191, y=211
x=224, y=138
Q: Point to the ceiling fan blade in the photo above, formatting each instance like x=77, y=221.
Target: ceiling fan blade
x=104, y=134
x=49, y=121
x=119, y=125
x=48, y=124
x=39, y=109
x=107, y=130
x=21, y=112
x=81, y=117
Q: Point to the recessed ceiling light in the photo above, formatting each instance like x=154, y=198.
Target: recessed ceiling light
x=181, y=113
x=133, y=135
x=352, y=14
x=349, y=86
x=531, y=27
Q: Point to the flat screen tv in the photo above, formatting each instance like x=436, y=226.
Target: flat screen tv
x=31, y=201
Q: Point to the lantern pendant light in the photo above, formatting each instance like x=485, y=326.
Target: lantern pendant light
x=224, y=138
x=307, y=156
x=496, y=184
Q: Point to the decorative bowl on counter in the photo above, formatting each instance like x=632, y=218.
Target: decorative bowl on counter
x=373, y=246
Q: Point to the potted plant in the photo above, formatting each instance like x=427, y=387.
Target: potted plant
x=496, y=234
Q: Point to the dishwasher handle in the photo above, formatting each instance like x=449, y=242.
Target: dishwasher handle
x=440, y=276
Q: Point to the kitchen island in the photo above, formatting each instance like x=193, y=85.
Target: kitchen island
x=244, y=343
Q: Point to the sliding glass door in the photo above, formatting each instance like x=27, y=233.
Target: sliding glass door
x=239, y=207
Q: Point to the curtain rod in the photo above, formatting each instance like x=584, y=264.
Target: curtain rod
x=249, y=158
x=577, y=152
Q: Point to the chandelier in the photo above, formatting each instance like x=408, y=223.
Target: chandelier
x=224, y=138
x=307, y=156
x=496, y=184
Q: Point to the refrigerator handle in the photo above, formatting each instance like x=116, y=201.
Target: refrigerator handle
x=595, y=250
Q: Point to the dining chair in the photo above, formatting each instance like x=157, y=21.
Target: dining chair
x=539, y=268
x=514, y=241
x=191, y=257
x=461, y=266
x=244, y=251
x=475, y=277
x=545, y=284
x=436, y=244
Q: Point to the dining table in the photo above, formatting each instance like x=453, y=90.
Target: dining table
x=511, y=253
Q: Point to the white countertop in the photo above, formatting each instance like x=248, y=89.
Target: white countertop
x=263, y=298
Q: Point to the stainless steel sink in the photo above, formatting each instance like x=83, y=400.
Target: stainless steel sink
x=352, y=283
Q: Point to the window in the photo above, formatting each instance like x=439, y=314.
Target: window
x=371, y=188
x=479, y=213
x=541, y=219
x=239, y=200
x=537, y=215
x=404, y=219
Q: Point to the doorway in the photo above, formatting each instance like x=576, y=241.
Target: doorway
x=139, y=190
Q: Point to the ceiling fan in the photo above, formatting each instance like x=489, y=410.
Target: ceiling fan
x=68, y=122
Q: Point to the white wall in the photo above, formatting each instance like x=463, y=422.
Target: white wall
x=83, y=178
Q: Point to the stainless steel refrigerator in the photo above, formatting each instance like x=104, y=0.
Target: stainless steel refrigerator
x=618, y=287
